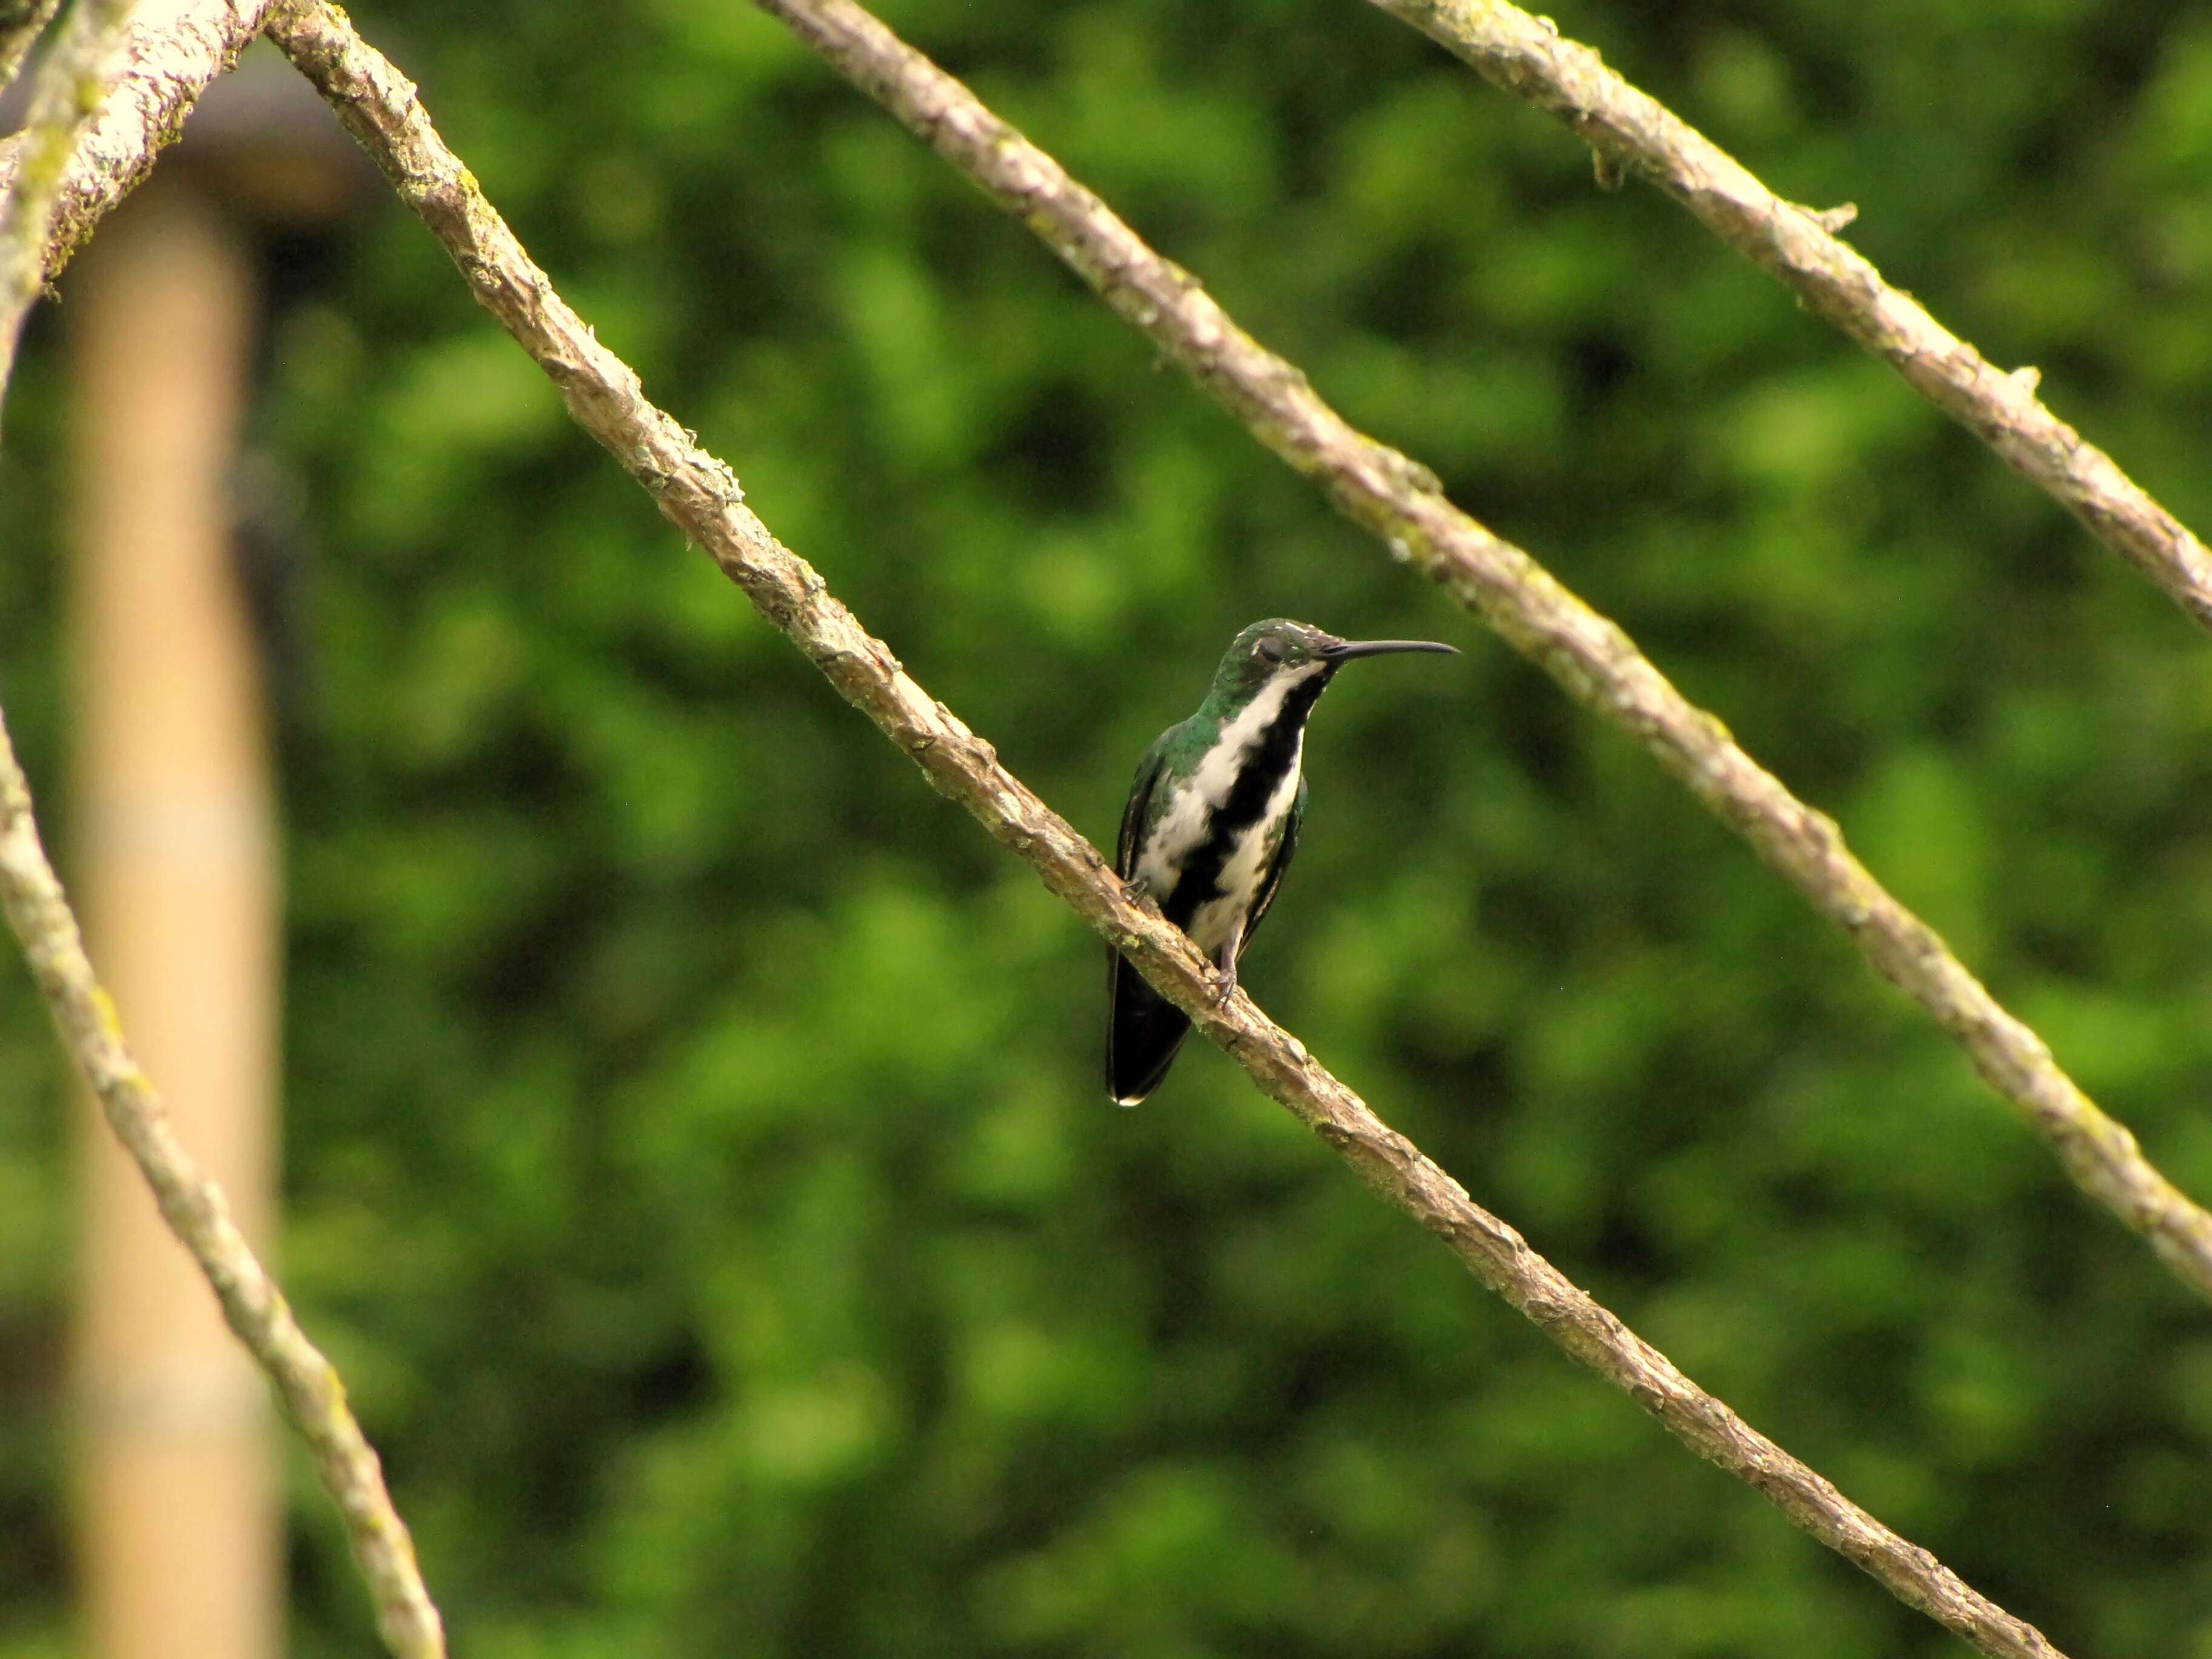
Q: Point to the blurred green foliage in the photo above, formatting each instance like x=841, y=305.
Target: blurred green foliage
x=696, y=1159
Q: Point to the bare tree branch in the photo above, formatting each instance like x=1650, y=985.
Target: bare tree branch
x=196, y=1211
x=1630, y=130
x=172, y=50
x=86, y=144
x=1588, y=655
x=21, y=23
x=701, y=496
x=71, y=85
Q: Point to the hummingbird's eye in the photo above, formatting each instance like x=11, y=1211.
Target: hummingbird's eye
x=1268, y=651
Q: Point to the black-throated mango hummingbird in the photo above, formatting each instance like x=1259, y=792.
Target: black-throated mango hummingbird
x=1211, y=822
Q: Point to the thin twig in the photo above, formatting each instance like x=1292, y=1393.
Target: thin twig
x=171, y=51
x=196, y=1211
x=21, y=23
x=701, y=496
x=1588, y=655
x=1630, y=131
x=72, y=83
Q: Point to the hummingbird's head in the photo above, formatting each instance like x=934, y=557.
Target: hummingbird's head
x=1282, y=648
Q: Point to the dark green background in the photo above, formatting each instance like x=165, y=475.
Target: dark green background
x=696, y=1159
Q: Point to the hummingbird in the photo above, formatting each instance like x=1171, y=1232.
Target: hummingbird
x=1211, y=822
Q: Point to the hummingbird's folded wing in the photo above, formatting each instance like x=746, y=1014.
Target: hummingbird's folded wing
x=1143, y=1029
x=1140, y=802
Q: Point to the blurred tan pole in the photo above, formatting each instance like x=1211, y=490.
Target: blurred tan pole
x=179, y=1534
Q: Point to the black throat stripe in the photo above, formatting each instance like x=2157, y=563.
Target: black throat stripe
x=1266, y=764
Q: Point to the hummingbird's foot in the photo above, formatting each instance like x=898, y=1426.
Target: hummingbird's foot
x=1224, y=978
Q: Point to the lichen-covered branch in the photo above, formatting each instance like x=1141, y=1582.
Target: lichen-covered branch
x=700, y=495
x=171, y=51
x=1630, y=131
x=199, y=1214
x=1588, y=655
x=71, y=85
x=22, y=21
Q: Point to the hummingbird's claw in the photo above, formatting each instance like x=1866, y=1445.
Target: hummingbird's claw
x=1224, y=985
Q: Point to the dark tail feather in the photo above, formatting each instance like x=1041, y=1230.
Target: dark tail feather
x=1143, y=1031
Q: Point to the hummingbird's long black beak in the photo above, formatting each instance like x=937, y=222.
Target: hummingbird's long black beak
x=1343, y=650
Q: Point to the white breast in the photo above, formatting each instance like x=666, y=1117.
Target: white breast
x=1190, y=810
x=1219, y=921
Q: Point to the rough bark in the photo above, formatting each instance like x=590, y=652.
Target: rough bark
x=307, y=1386
x=172, y=50
x=112, y=92
x=1590, y=657
x=700, y=495
x=72, y=83
x=1630, y=131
